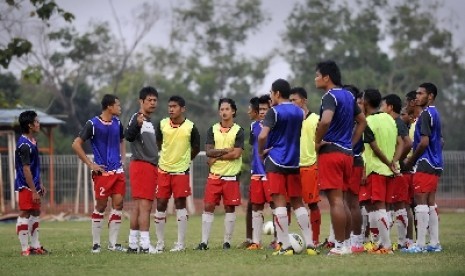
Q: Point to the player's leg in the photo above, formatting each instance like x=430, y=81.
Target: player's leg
x=338, y=217
x=311, y=196
x=420, y=181
x=114, y=222
x=278, y=193
x=212, y=197
x=22, y=223
x=181, y=190
x=356, y=237
x=433, y=225
x=257, y=199
x=379, y=195
x=34, y=227
x=134, y=230
x=231, y=199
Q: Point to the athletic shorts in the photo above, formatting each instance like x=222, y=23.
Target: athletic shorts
x=364, y=193
x=259, y=189
x=143, y=179
x=425, y=182
x=397, y=190
x=109, y=184
x=334, y=170
x=309, y=182
x=379, y=186
x=226, y=187
x=285, y=184
x=408, y=178
x=176, y=184
x=355, y=179
x=25, y=201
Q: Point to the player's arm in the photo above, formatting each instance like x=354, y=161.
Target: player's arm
x=159, y=135
x=397, y=154
x=407, y=147
x=268, y=124
x=360, y=126
x=195, y=142
x=238, y=147
x=210, y=150
x=85, y=134
x=133, y=128
x=369, y=137
x=425, y=120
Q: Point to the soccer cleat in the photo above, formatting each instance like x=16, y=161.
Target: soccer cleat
x=226, y=245
x=25, y=252
x=312, y=251
x=160, y=246
x=337, y=251
x=272, y=245
x=244, y=245
x=96, y=248
x=254, y=246
x=382, y=251
x=202, y=246
x=150, y=250
x=433, y=248
x=413, y=249
x=327, y=244
x=357, y=249
x=38, y=251
x=116, y=247
x=285, y=252
x=178, y=247
x=132, y=250
x=369, y=246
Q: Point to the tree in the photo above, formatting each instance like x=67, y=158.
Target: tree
x=9, y=90
x=17, y=46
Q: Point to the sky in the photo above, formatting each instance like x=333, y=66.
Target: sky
x=100, y=10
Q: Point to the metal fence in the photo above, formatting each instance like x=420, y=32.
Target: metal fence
x=72, y=188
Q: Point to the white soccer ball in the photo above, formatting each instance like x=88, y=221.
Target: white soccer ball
x=297, y=242
x=268, y=228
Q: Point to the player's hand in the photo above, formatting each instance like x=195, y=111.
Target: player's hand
x=210, y=161
x=363, y=182
x=97, y=168
x=43, y=191
x=394, y=168
x=140, y=119
x=35, y=197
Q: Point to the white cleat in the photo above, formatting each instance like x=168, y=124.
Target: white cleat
x=178, y=247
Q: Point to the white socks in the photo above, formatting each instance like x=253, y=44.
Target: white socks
x=422, y=217
x=23, y=232
x=433, y=225
x=34, y=231
x=207, y=220
x=402, y=223
x=331, y=237
x=282, y=226
x=114, y=224
x=160, y=221
x=181, y=215
x=229, y=221
x=133, y=238
x=304, y=222
x=144, y=239
x=383, y=227
x=97, y=221
x=257, y=225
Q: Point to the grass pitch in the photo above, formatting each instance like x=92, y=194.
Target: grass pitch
x=70, y=244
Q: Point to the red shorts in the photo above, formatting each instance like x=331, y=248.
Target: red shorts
x=107, y=185
x=364, y=192
x=408, y=178
x=218, y=187
x=378, y=184
x=334, y=170
x=259, y=190
x=285, y=184
x=143, y=179
x=176, y=184
x=309, y=182
x=25, y=201
x=355, y=179
x=397, y=190
x=425, y=182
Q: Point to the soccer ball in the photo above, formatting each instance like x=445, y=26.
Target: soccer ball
x=268, y=228
x=297, y=242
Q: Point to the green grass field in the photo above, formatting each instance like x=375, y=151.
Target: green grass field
x=70, y=244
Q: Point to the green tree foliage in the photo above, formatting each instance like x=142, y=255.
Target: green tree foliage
x=420, y=50
x=9, y=91
x=17, y=46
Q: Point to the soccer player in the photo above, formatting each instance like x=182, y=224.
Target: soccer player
x=224, y=146
x=28, y=185
x=382, y=152
x=279, y=145
x=427, y=157
x=392, y=104
x=308, y=166
x=259, y=186
x=336, y=134
x=105, y=133
x=179, y=141
x=140, y=132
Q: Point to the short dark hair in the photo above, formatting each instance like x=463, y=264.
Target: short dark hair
x=230, y=102
x=395, y=101
x=430, y=88
x=411, y=96
x=254, y=104
x=264, y=99
x=299, y=91
x=25, y=119
x=108, y=100
x=354, y=90
x=283, y=87
x=330, y=68
x=147, y=91
x=372, y=97
x=178, y=99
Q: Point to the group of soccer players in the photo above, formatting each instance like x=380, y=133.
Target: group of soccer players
x=357, y=150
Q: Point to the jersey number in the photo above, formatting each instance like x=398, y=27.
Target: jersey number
x=102, y=191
